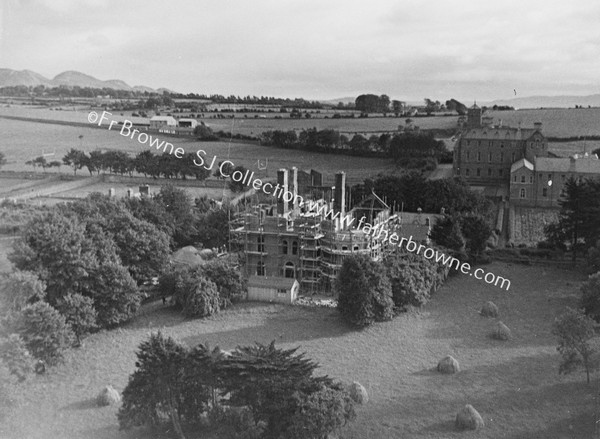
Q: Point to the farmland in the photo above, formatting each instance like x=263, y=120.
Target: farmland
x=514, y=385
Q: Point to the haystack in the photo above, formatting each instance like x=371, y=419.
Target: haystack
x=489, y=309
x=501, y=332
x=108, y=396
x=358, y=393
x=448, y=364
x=468, y=419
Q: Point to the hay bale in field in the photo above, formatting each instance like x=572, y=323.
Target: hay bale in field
x=108, y=396
x=358, y=393
x=468, y=419
x=501, y=332
x=489, y=309
x=448, y=364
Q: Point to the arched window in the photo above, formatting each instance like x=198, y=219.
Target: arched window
x=285, y=247
x=260, y=268
x=295, y=247
x=289, y=270
x=522, y=194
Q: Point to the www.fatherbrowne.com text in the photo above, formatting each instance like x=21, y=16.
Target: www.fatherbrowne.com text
x=378, y=231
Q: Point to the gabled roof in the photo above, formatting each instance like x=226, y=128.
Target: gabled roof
x=500, y=133
x=163, y=119
x=577, y=164
x=522, y=163
x=271, y=282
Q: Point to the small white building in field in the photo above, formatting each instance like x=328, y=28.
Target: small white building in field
x=273, y=289
x=160, y=122
x=188, y=123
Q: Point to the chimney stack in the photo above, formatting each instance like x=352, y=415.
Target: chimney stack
x=282, y=181
x=339, y=196
x=295, y=206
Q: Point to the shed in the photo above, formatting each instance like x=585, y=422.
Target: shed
x=273, y=289
x=188, y=123
x=158, y=122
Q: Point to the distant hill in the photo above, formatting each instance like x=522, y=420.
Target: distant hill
x=549, y=101
x=9, y=77
x=334, y=102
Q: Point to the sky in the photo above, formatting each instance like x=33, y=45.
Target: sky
x=316, y=49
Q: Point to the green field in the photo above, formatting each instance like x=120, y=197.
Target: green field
x=22, y=141
x=514, y=385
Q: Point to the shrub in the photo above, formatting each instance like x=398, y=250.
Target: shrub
x=448, y=365
x=590, y=298
x=489, y=309
x=501, y=332
x=45, y=332
x=364, y=292
x=468, y=419
x=14, y=354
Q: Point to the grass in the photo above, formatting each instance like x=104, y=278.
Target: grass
x=514, y=385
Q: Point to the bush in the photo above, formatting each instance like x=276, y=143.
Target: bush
x=45, y=332
x=413, y=278
x=364, y=292
x=14, y=354
x=590, y=297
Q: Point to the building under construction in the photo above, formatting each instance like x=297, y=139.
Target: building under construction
x=287, y=240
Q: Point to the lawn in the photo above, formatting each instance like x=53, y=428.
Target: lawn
x=514, y=385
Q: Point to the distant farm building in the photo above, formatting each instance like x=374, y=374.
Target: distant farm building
x=188, y=123
x=162, y=123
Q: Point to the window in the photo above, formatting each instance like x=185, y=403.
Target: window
x=289, y=270
x=295, y=247
x=531, y=179
x=260, y=243
x=344, y=247
x=468, y=155
x=501, y=145
x=562, y=177
x=545, y=192
x=479, y=172
x=489, y=157
x=502, y=156
x=489, y=172
x=355, y=248
x=479, y=143
x=549, y=177
x=281, y=292
x=500, y=172
x=512, y=157
x=260, y=268
x=285, y=247
x=514, y=178
x=522, y=179
x=478, y=156
x=467, y=172
x=522, y=194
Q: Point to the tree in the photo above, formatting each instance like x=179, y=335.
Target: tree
x=202, y=132
x=75, y=159
x=364, y=291
x=446, y=233
x=370, y=103
x=19, y=288
x=3, y=160
x=45, y=332
x=574, y=331
x=476, y=231
x=178, y=204
x=578, y=217
x=156, y=387
x=227, y=278
x=238, y=186
x=79, y=312
x=14, y=354
x=202, y=300
x=590, y=298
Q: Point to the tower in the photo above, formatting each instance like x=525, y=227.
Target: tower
x=474, y=116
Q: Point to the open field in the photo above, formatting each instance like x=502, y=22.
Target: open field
x=514, y=385
x=23, y=141
x=557, y=122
